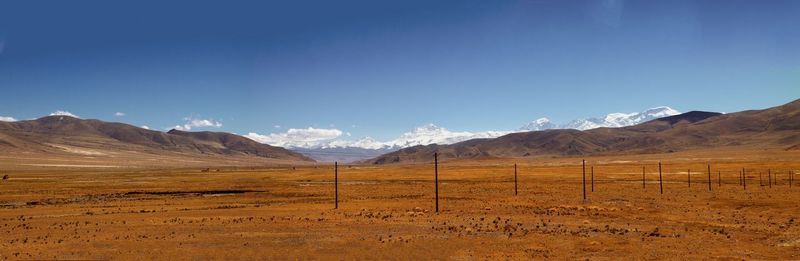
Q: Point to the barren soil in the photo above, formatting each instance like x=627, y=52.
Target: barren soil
x=387, y=212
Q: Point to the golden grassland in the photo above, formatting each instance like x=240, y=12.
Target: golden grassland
x=387, y=212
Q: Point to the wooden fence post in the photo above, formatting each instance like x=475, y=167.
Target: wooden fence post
x=515, y=179
x=744, y=179
x=660, y=179
x=769, y=173
x=583, y=163
x=643, y=180
x=436, y=177
x=336, y=184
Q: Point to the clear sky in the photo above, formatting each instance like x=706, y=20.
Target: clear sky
x=379, y=68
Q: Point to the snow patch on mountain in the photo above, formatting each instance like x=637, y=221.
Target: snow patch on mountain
x=611, y=120
x=422, y=135
x=539, y=124
x=432, y=134
x=328, y=144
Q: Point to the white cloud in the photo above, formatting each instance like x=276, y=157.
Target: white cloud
x=197, y=123
x=328, y=138
x=277, y=126
x=8, y=119
x=119, y=114
x=312, y=138
x=432, y=134
x=63, y=113
x=308, y=137
x=145, y=127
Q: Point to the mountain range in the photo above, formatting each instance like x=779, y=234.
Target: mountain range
x=611, y=120
x=347, y=151
x=65, y=140
x=773, y=128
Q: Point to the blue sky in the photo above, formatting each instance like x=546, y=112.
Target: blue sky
x=379, y=68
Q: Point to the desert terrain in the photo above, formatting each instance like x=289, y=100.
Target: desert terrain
x=387, y=211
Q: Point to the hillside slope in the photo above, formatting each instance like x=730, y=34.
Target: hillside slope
x=77, y=140
x=777, y=127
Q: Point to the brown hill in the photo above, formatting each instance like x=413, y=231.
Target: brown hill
x=777, y=127
x=70, y=140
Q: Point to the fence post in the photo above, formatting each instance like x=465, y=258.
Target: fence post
x=436, y=177
x=515, y=179
x=744, y=179
x=660, y=179
x=719, y=178
x=336, y=183
x=583, y=163
x=643, y=183
x=689, y=177
x=709, y=177
x=760, y=179
x=769, y=173
x=740, y=178
x=592, y=168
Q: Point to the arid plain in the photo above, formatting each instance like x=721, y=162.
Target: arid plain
x=387, y=212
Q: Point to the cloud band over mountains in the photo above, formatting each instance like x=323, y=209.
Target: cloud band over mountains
x=313, y=138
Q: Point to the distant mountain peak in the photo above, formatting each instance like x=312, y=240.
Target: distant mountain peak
x=538, y=124
x=611, y=120
x=430, y=133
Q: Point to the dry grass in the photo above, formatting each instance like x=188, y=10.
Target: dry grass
x=386, y=212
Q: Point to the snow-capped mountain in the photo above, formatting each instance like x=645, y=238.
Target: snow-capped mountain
x=422, y=135
x=327, y=145
x=612, y=120
x=353, y=150
x=540, y=124
x=432, y=134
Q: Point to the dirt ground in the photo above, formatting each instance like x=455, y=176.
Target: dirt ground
x=387, y=212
